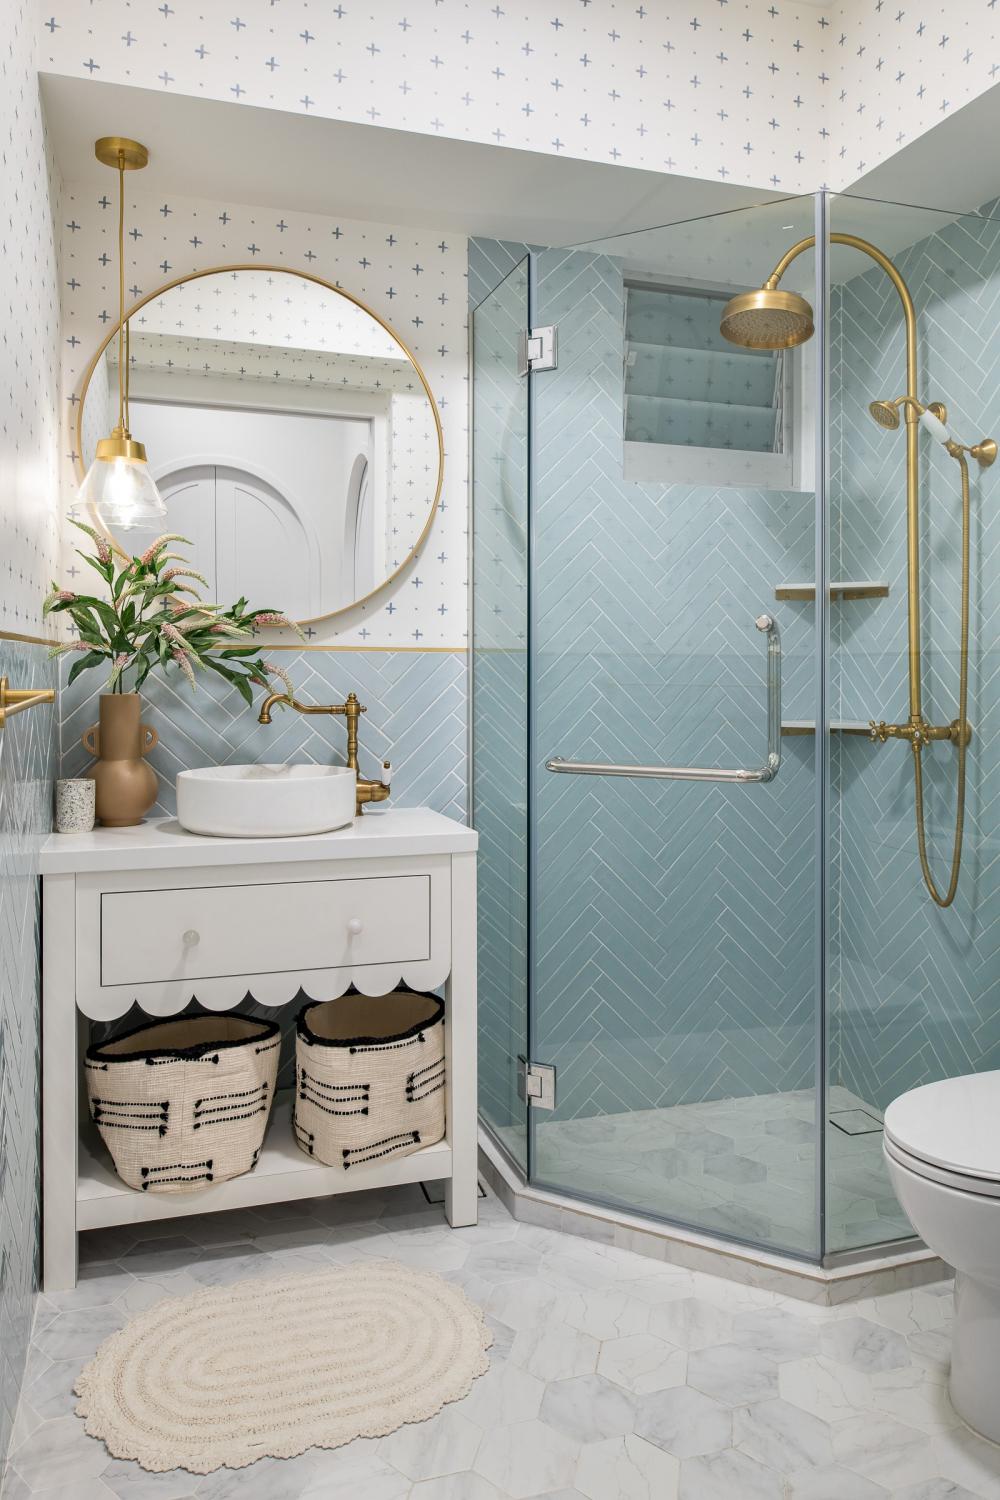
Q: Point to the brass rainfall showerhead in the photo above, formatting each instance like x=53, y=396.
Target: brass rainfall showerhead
x=767, y=319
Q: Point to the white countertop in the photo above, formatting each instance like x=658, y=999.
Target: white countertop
x=162, y=844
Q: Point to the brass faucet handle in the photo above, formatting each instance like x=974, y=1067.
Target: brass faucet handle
x=878, y=732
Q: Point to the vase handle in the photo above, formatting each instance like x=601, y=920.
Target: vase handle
x=90, y=739
x=150, y=738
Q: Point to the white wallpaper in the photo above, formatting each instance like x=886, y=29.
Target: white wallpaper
x=29, y=348
x=415, y=279
x=706, y=88
x=796, y=94
x=898, y=69
x=263, y=309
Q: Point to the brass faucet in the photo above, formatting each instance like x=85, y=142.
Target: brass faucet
x=365, y=791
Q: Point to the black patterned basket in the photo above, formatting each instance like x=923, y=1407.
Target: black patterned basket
x=369, y=1077
x=181, y=1104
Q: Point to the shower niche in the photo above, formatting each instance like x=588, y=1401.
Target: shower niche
x=722, y=972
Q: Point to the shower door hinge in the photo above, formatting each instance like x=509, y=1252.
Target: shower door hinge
x=536, y=1084
x=537, y=350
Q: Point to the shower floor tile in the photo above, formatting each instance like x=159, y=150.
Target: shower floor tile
x=613, y=1375
x=744, y=1167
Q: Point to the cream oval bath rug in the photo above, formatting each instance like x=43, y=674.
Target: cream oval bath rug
x=269, y=1368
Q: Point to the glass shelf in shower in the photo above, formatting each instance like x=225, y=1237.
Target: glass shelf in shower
x=843, y=589
x=791, y=727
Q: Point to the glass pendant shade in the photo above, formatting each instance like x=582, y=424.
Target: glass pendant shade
x=118, y=488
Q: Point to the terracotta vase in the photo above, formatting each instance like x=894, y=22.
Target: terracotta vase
x=126, y=785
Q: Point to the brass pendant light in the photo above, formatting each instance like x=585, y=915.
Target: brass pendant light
x=118, y=489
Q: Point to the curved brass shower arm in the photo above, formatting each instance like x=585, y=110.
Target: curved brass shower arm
x=874, y=253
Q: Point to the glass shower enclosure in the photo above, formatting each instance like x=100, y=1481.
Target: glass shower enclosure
x=716, y=543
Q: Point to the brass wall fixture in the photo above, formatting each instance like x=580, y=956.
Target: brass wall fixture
x=16, y=700
x=366, y=791
x=772, y=319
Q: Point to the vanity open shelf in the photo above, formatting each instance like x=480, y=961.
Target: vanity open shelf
x=153, y=917
x=282, y=1173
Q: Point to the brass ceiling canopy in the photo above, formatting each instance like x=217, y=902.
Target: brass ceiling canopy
x=121, y=153
x=767, y=319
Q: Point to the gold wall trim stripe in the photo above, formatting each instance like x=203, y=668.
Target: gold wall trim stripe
x=51, y=640
x=386, y=650
x=28, y=640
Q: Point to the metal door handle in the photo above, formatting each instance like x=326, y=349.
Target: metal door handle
x=767, y=772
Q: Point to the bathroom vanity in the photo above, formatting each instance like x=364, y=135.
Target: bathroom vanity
x=153, y=916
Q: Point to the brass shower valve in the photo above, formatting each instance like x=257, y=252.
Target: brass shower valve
x=919, y=733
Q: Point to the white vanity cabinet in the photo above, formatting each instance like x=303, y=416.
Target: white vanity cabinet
x=155, y=917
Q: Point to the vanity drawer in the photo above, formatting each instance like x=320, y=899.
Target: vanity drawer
x=211, y=932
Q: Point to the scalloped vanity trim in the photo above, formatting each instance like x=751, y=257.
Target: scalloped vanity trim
x=272, y=990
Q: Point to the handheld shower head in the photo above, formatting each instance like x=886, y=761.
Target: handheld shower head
x=886, y=413
x=933, y=418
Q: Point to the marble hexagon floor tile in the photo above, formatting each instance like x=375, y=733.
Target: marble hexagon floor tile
x=613, y=1376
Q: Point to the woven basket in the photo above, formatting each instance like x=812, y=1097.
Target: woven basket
x=184, y=1103
x=369, y=1077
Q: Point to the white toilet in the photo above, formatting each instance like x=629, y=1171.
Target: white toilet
x=942, y=1144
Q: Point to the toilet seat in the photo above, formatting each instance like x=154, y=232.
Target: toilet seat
x=949, y=1132
x=962, y=1182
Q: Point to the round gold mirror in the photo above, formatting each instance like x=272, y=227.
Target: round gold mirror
x=290, y=430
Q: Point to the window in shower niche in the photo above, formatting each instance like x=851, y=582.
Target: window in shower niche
x=698, y=410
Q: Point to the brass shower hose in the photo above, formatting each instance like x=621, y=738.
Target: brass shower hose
x=963, y=728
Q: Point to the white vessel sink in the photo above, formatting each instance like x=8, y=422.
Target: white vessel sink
x=265, y=801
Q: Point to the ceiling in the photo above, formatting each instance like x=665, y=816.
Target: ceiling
x=209, y=149
x=203, y=148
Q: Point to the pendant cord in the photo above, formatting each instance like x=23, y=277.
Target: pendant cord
x=122, y=388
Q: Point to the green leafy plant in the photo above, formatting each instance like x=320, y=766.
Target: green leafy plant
x=145, y=622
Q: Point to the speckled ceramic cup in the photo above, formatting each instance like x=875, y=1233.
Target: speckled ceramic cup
x=76, y=803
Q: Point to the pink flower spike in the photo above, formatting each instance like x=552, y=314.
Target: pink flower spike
x=172, y=633
x=57, y=596
x=181, y=659
x=65, y=646
x=226, y=627
x=160, y=543
x=273, y=670
x=173, y=573
x=118, y=666
x=270, y=617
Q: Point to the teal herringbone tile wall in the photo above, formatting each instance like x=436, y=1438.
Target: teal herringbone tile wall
x=917, y=989
x=416, y=719
x=673, y=922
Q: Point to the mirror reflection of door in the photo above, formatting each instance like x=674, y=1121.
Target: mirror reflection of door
x=360, y=573
x=248, y=538
x=270, y=500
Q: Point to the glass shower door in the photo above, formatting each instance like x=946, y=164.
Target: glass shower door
x=674, y=923
x=500, y=697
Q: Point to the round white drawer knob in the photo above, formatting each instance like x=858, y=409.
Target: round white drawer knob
x=355, y=925
x=191, y=938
